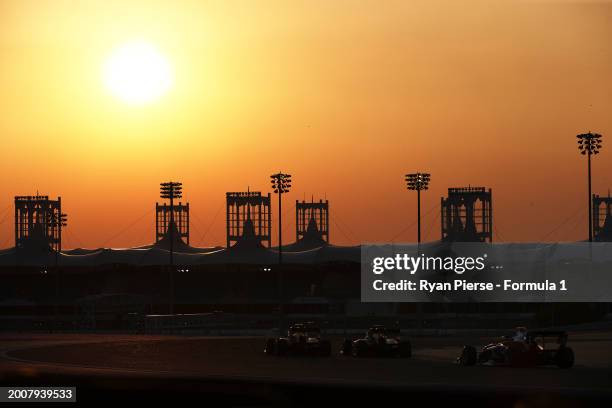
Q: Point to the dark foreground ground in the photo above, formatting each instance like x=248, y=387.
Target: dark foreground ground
x=234, y=371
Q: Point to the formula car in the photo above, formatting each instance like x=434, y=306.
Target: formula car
x=303, y=339
x=378, y=342
x=536, y=348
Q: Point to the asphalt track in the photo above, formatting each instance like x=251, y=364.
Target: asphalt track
x=241, y=358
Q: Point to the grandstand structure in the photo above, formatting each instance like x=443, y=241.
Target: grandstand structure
x=602, y=218
x=38, y=222
x=467, y=215
x=180, y=219
x=248, y=216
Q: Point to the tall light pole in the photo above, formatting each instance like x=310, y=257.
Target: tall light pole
x=281, y=183
x=418, y=181
x=589, y=144
x=57, y=221
x=169, y=191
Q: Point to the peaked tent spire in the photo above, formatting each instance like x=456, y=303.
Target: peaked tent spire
x=178, y=243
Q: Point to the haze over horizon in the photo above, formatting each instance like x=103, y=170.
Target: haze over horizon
x=346, y=99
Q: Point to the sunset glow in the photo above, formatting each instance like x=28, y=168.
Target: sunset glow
x=345, y=99
x=137, y=73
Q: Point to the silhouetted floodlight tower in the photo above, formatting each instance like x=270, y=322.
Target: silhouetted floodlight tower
x=417, y=182
x=589, y=144
x=57, y=221
x=281, y=183
x=170, y=191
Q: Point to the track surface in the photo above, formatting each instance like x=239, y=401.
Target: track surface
x=242, y=358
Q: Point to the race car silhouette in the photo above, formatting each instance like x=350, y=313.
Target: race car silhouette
x=535, y=349
x=379, y=341
x=303, y=339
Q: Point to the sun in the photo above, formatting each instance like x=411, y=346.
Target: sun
x=137, y=73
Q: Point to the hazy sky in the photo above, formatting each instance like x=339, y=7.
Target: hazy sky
x=347, y=96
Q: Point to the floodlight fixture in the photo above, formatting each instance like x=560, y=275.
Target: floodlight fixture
x=589, y=144
x=418, y=182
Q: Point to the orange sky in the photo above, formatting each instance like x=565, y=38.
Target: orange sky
x=347, y=96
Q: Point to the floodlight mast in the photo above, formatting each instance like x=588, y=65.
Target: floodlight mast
x=57, y=221
x=281, y=183
x=169, y=191
x=589, y=144
x=418, y=181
